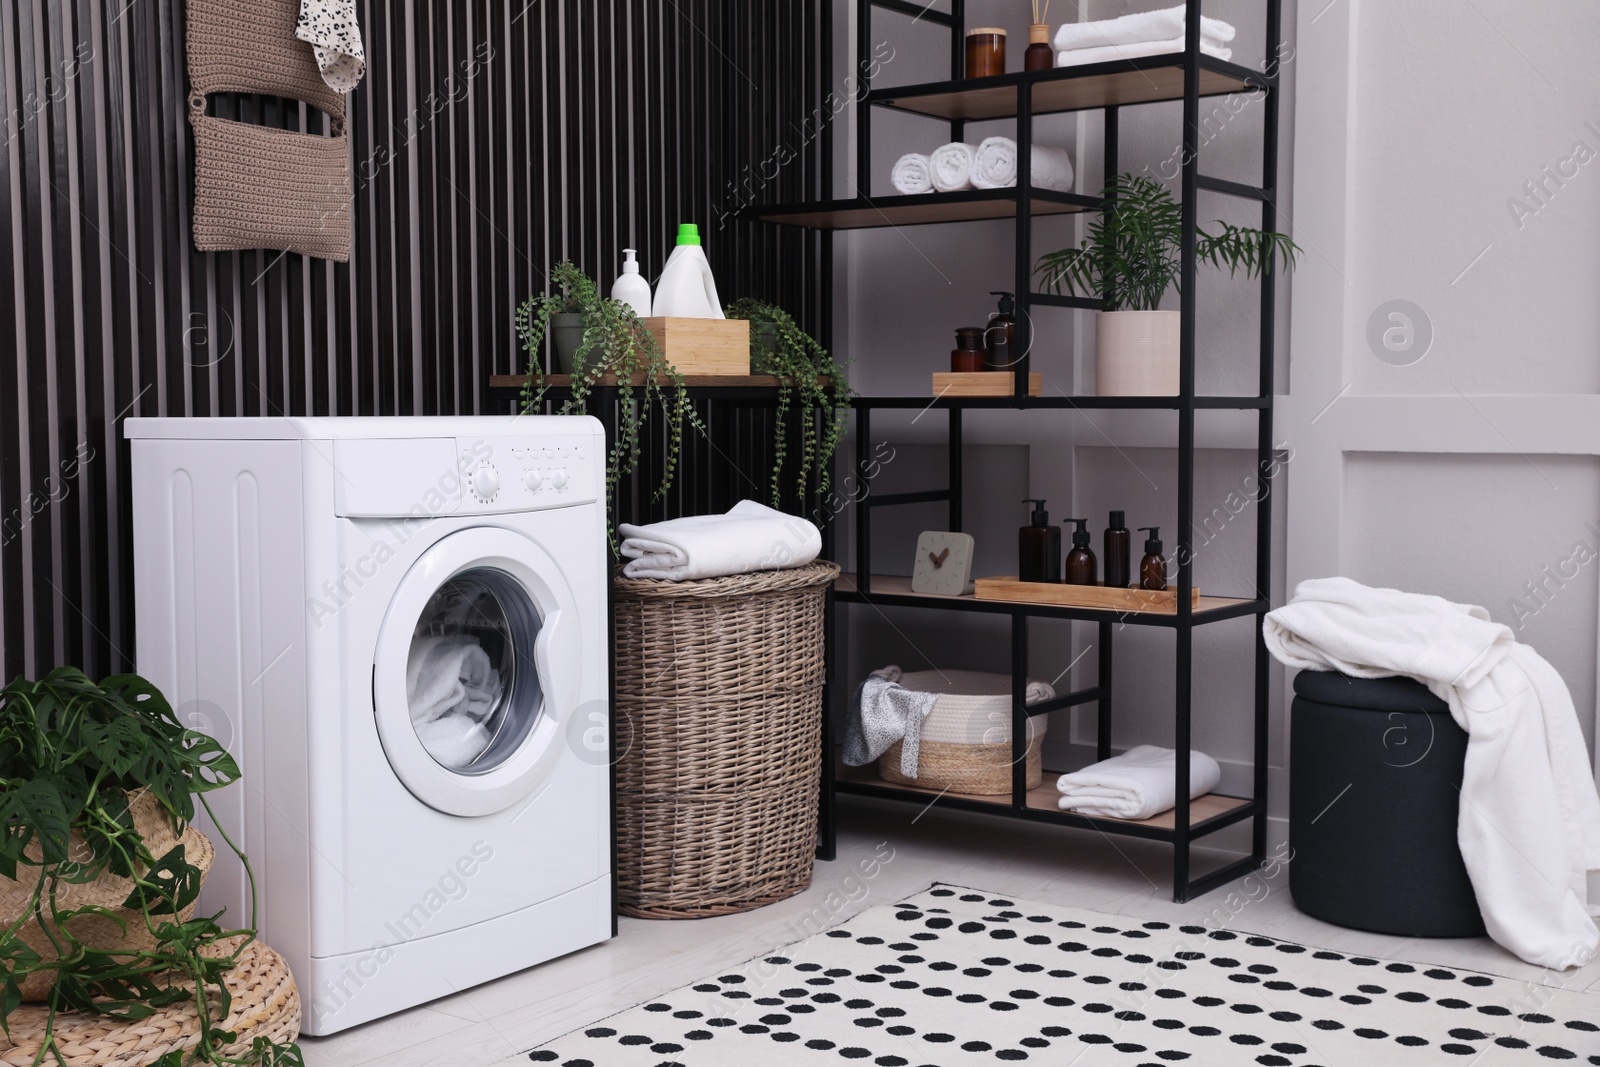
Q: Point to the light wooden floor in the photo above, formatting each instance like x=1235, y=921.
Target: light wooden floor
x=1070, y=867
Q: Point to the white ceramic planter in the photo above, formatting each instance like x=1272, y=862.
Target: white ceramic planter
x=1136, y=353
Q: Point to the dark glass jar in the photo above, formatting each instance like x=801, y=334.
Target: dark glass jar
x=986, y=52
x=1039, y=56
x=969, y=353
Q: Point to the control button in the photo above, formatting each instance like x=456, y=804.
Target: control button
x=559, y=478
x=486, y=483
x=534, y=479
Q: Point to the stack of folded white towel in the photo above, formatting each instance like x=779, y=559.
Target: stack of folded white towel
x=1147, y=33
x=750, y=537
x=1139, y=784
x=989, y=165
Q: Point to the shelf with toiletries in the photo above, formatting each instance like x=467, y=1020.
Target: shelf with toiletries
x=1208, y=812
x=1146, y=360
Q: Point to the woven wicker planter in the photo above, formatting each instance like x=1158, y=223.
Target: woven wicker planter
x=984, y=770
x=719, y=731
x=265, y=1004
x=154, y=825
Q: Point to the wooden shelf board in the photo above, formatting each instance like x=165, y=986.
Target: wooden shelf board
x=1044, y=797
x=693, y=381
x=899, y=586
x=1056, y=91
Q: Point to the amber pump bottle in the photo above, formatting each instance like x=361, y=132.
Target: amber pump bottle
x=1081, y=567
x=1153, y=568
x=1119, y=551
x=1039, y=547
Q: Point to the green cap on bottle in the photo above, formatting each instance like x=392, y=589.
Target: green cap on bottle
x=688, y=233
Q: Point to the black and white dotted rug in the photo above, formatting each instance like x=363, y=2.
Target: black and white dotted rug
x=954, y=976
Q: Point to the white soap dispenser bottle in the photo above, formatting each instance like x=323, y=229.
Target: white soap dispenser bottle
x=686, y=289
x=631, y=287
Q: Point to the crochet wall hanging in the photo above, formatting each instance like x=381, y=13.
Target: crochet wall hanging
x=255, y=186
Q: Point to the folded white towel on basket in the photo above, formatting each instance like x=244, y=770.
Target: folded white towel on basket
x=913, y=174
x=1078, y=57
x=952, y=166
x=1138, y=28
x=1529, y=823
x=750, y=537
x=1139, y=784
x=995, y=166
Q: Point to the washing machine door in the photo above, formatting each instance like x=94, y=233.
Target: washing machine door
x=476, y=671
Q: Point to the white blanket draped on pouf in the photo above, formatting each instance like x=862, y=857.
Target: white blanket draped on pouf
x=1529, y=826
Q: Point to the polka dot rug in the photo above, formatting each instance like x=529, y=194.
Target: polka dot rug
x=953, y=977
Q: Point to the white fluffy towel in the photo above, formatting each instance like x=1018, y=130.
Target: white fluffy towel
x=1138, y=28
x=912, y=174
x=451, y=687
x=1529, y=824
x=995, y=166
x=952, y=166
x=1139, y=784
x=750, y=537
x=1078, y=57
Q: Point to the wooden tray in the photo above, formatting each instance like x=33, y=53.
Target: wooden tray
x=1080, y=596
x=704, y=346
x=982, y=383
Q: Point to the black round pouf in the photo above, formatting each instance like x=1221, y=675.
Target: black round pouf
x=1374, y=788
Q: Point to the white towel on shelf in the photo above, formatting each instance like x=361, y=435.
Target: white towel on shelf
x=885, y=712
x=1139, y=784
x=1138, y=28
x=1077, y=57
x=995, y=166
x=912, y=174
x=750, y=537
x=1529, y=821
x=952, y=166
x=334, y=33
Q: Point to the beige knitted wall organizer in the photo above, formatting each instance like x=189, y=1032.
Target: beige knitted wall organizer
x=257, y=187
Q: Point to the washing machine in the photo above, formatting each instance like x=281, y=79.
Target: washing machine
x=399, y=629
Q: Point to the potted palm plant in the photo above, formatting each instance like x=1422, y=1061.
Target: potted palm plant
x=1132, y=257
x=100, y=869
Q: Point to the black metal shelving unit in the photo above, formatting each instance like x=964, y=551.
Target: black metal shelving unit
x=1188, y=76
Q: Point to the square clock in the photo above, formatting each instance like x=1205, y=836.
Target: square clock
x=943, y=564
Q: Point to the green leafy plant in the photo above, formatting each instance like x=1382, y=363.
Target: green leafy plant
x=1134, y=250
x=615, y=343
x=808, y=378
x=72, y=754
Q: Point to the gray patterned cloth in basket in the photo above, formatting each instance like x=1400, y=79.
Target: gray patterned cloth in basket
x=886, y=712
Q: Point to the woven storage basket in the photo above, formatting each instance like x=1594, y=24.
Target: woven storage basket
x=719, y=733
x=265, y=1004
x=152, y=823
x=965, y=744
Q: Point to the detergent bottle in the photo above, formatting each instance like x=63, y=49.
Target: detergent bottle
x=686, y=289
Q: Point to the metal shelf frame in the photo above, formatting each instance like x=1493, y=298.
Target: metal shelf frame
x=1200, y=77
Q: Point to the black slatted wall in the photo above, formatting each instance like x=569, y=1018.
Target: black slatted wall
x=491, y=139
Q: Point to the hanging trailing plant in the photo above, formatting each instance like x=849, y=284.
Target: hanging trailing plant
x=82, y=767
x=615, y=346
x=1134, y=251
x=808, y=379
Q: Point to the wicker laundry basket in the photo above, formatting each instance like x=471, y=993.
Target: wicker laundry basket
x=965, y=741
x=264, y=1003
x=719, y=732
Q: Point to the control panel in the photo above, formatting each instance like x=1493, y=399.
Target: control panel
x=512, y=473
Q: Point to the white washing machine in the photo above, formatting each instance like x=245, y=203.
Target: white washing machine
x=399, y=628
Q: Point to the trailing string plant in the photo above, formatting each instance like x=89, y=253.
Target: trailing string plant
x=1134, y=251
x=808, y=379
x=615, y=343
x=75, y=760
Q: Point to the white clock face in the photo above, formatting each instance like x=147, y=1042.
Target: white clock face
x=943, y=564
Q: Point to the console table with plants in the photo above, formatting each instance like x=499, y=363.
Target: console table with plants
x=1188, y=76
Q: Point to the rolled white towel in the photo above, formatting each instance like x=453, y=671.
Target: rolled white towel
x=1138, y=28
x=952, y=166
x=995, y=166
x=1077, y=57
x=750, y=537
x=1139, y=784
x=913, y=174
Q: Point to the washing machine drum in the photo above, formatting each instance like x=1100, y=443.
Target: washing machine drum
x=472, y=679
